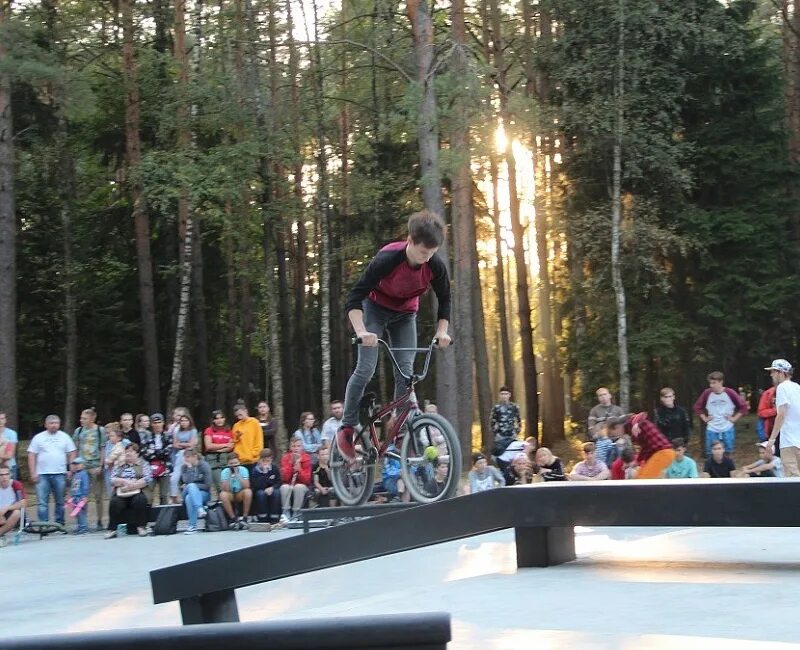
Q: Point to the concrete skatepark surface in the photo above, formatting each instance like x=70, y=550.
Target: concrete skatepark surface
x=652, y=588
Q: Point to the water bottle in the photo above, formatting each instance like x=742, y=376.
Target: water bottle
x=122, y=530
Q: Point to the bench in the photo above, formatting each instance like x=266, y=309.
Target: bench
x=543, y=517
x=337, y=513
x=420, y=631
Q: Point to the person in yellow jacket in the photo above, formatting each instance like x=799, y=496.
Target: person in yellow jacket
x=249, y=440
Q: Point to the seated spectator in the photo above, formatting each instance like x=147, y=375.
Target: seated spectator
x=683, y=466
x=79, y=495
x=12, y=503
x=265, y=481
x=625, y=466
x=719, y=465
x=390, y=477
x=483, y=476
x=323, y=487
x=530, y=448
x=604, y=448
x=8, y=447
x=236, y=489
x=514, y=448
x=196, y=481
x=767, y=465
x=519, y=471
x=436, y=484
x=218, y=443
x=114, y=453
x=655, y=451
x=158, y=453
x=128, y=503
x=295, y=479
x=589, y=469
x=548, y=466
x=184, y=437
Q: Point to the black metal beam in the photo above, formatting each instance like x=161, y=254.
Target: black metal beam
x=343, y=512
x=701, y=502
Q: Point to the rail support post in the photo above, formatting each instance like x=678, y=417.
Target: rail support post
x=539, y=546
x=215, y=607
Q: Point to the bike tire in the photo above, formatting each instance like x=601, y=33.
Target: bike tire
x=352, y=483
x=411, y=456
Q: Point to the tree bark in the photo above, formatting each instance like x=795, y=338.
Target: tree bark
x=431, y=181
x=616, y=216
x=141, y=219
x=8, y=237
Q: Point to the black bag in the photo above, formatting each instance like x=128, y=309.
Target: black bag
x=167, y=521
x=216, y=519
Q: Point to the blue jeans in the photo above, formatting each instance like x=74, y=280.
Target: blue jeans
x=401, y=330
x=728, y=439
x=55, y=484
x=194, y=498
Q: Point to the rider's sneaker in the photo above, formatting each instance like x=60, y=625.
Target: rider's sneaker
x=344, y=440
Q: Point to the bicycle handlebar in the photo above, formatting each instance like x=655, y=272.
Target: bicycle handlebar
x=390, y=351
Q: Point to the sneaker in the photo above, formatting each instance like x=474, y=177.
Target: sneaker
x=3, y=541
x=344, y=441
x=201, y=513
x=191, y=530
x=284, y=518
x=81, y=531
x=242, y=524
x=111, y=534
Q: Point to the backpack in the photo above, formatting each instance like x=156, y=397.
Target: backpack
x=216, y=519
x=167, y=521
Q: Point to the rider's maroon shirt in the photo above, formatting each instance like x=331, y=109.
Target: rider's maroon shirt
x=391, y=282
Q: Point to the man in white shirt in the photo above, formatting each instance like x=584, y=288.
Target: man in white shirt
x=49, y=455
x=8, y=447
x=787, y=422
x=333, y=423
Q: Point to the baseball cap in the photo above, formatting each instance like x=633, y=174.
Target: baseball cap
x=782, y=365
x=157, y=417
x=77, y=460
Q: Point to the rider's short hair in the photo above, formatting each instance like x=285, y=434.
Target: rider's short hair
x=426, y=228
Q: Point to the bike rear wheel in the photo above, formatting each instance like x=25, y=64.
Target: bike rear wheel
x=430, y=459
x=353, y=481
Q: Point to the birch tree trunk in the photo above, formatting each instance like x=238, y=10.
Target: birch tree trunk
x=141, y=219
x=428, y=140
x=616, y=216
x=184, y=216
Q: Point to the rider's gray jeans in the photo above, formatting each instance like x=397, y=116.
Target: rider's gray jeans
x=399, y=329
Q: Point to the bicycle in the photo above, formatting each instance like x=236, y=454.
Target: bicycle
x=429, y=450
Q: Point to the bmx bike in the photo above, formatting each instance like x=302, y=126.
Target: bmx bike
x=425, y=444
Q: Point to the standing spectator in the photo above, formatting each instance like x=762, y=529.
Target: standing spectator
x=295, y=479
x=719, y=465
x=158, y=454
x=218, y=445
x=506, y=421
x=185, y=437
x=142, y=426
x=720, y=408
x=129, y=433
x=767, y=466
x=787, y=422
x=113, y=454
x=683, y=466
x=79, y=495
x=268, y=424
x=332, y=424
x=265, y=481
x=248, y=437
x=89, y=439
x=548, y=466
x=655, y=451
x=48, y=456
x=602, y=411
x=483, y=476
x=673, y=420
x=767, y=411
x=196, y=482
x=12, y=503
x=589, y=469
x=8, y=447
x=236, y=489
x=323, y=487
x=174, y=422
x=128, y=503
x=310, y=435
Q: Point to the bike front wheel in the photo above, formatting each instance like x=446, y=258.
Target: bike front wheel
x=430, y=459
x=353, y=481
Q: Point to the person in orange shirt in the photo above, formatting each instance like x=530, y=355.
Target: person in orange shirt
x=249, y=440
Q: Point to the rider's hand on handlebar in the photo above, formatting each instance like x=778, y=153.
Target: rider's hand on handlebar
x=367, y=339
x=443, y=339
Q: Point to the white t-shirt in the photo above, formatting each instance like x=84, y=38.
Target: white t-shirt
x=9, y=435
x=789, y=393
x=329, y=429
x=51, y=451
x=720, y=407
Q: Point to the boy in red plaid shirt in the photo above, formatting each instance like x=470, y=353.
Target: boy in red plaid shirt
x=655, y=450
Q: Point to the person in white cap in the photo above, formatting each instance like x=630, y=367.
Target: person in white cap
x=787, y=422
